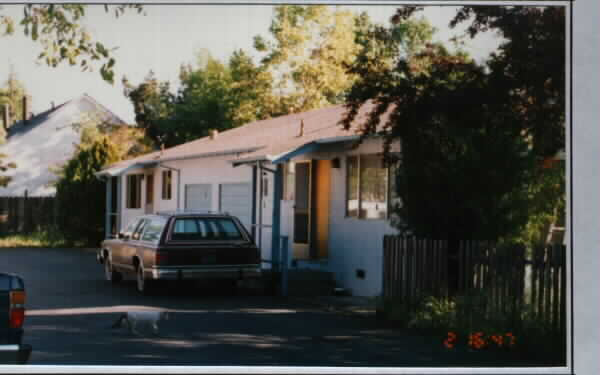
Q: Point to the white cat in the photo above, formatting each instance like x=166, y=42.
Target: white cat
x=137, y=319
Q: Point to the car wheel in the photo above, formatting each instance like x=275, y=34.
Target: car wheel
x=143, y=285
x=110, y=274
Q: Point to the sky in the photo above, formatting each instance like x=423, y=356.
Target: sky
x=163, y=39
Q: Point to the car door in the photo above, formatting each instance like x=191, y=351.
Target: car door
x=119, y=252
x=133, y=246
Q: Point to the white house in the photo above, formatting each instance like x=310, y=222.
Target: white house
x=300, y=176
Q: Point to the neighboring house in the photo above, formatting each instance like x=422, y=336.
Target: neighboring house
x=299, y=175
x=46, y=141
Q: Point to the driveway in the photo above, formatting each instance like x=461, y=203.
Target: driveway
x=71, y=310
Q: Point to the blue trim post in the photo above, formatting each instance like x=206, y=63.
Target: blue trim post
x=253, y=229
x=108, y=207
x=276, y=230
x=284, y=266
x=119, y=202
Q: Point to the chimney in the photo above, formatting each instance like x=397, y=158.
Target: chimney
x=6, y=116
x=213, y=133
x=26, y=108
x=301, y=128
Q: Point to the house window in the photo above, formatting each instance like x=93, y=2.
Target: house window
x=366, y=187
x=166, y=185
x=134, y=190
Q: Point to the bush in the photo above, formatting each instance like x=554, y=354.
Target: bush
x=80, y=195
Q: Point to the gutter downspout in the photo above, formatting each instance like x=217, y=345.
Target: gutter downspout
x=160, y=165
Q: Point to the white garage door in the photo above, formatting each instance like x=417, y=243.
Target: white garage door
x=198, y=197
x=236, y=199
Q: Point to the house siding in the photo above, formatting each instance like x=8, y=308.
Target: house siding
x=213, y=171
x=353, y=243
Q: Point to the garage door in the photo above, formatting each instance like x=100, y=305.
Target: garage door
x=236, y=199
x=198, y=197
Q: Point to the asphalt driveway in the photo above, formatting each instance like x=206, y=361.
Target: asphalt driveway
x=71, y=310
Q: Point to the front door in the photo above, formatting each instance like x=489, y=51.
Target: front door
x=302, y=211
x=320, y=209
x=149, y=194
x=311, y=209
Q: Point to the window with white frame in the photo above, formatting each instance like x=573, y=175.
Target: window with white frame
x=367, y=187
x=167, y=182
x=134, y=190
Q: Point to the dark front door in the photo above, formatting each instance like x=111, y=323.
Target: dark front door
x=302, y=204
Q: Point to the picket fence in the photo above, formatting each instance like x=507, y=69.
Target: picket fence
x=511, y=279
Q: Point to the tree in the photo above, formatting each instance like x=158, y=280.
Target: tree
x=473, y=138
x=530, y=64
x=203, y=102
x=152, y=104
x=212, y=95
x=251, y=90
x=57, y=28
x=81, y=213
x=12, y=93
x=4, y=180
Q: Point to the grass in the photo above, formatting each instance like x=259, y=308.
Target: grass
x=47, y=238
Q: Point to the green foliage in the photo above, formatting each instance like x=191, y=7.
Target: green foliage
x=5, y=180
x=52, y=238
x=307, y=52
x=212, y=95
x=58, y=29
x=471, y=161
x=80, y=194
x=529, y=65
x=12, y=93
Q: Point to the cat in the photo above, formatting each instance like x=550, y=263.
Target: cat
x=135, y=319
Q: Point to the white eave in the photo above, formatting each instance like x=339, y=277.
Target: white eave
x=117, y=171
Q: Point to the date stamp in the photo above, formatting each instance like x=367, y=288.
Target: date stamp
x=481, y=340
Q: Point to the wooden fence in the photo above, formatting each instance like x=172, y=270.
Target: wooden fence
x=26, y=214
x=416, y=268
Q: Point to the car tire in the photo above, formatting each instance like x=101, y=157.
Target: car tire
x=110, y=274
x=143, y=285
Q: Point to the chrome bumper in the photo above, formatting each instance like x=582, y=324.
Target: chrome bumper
x=14, y=354
x=206, y=272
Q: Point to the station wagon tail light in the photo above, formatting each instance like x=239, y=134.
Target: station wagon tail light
x=160, y=259
x=17, y=309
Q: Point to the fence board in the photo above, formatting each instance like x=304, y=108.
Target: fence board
x=415, y=268
x=24, y=214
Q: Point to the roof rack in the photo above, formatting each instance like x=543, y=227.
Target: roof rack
x=191, y=212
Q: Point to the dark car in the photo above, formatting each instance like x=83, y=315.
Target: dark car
x=181, y=246
x=12, y=317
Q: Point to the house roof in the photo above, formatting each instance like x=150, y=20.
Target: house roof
x=47, y=141
x=270, y=139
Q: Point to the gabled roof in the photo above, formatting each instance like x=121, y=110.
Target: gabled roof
x=47, y=141
x=268, y=140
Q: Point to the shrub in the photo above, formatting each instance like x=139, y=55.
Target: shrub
x=80, y=195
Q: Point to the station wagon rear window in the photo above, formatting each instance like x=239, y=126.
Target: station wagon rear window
x=195, y=229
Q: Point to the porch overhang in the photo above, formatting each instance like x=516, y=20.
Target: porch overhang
x=317, y=145
x=313, y=146
x=118, y=171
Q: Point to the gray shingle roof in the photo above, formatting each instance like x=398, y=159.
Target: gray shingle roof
x=47, y=141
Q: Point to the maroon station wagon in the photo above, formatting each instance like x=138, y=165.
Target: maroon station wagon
x=181, y=246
